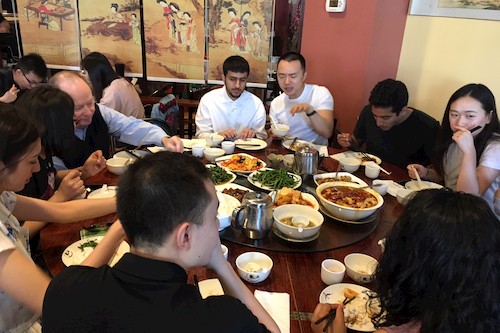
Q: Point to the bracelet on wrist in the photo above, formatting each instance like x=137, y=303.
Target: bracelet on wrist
x=311, y=113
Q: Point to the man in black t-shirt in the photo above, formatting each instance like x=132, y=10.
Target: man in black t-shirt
x=391, y=130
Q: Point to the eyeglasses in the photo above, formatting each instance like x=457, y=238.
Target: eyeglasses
x=30, y=82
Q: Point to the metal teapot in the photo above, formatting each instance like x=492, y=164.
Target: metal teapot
x=305, y=161
x=254, y=216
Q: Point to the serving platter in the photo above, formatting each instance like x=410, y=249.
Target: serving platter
x=73, y=255
x=219, y=161
x=250, y=144
x=354, y=179
x=233, y=176
x=258, y=184
x=366, y=220
x=334, y=294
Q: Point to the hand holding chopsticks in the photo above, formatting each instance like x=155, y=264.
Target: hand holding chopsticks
x=332, y=313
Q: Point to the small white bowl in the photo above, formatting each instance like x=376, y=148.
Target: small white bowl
x=280, y=129
x=403, y=195
x=381, y=187
x=118, y=165
x=212, y=153
x=225, y=250
x=254, y=267
x=360, y=267
x=349, y=164
x=217, y=139
x=288, y=160
x=297, y=210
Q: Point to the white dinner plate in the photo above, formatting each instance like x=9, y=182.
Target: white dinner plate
x=189, y=143
x=227, y=204
x=103, y=192
x=334, y=294
x=354, y=179
x=261, y=144
x=73, y=255
x=233, y=176
x=220, y=160
x=256, y=183
x=360, y=156
x=124, y=154
x=287, y=143
x=413, y=185
x=210, y=287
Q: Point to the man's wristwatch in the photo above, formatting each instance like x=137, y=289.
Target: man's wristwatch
x=311, y=113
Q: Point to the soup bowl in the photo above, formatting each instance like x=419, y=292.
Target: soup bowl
x=293, y=210
x=347, y=211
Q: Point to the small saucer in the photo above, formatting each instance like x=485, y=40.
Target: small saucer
x=294, y=240
x=366, y=220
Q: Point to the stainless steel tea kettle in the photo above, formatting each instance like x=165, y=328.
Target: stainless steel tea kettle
x=255, y=216
x=305, y=161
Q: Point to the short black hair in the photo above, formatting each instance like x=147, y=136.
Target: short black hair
x=33, y=62
x=236, y=64
x=53, y=109
x=292, y=56
x=157, y=193
x=389, y=93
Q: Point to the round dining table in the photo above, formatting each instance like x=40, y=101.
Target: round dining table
x=296, y=267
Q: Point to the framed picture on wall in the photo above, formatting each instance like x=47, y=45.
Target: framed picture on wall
x=473, y=9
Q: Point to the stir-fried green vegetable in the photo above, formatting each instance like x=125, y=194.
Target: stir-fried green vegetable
x=219, y=176
x=275, y=178
x=90, y=243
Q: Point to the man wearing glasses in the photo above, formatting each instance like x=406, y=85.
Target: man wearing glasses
x=30, y=71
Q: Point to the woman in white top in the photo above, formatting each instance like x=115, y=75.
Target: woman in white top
x=468, y=162
x=110, y=89
x=22, y=284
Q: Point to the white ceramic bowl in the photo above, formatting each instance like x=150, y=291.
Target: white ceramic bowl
x=225, y=250
x=254, y=267
x=348, y=213
x=217, y=139
x=350, y=164
x=360, y=267
x=212, y=153
x=117, y=165
x=288, y=160
x=403, y=195
x=381, y=187
x=297, y=210
x=280, y=129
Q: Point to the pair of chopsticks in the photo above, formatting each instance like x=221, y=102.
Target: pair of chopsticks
x=128, y=151
x=330, y=316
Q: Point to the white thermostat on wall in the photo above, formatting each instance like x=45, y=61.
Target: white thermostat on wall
x=335, y=6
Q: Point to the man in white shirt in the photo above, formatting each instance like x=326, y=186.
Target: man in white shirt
x=231, y=111
x=306, y=108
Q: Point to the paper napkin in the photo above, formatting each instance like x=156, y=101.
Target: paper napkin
x=278, y=306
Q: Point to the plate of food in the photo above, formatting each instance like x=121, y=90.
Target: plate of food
x=286, y=196
x=367, y=158
x=80, y=250
x=242, y=163
x=337, y=176
x=250, y=144
x=358, y=312
x=414, y=186
x=296, y=145
x=234, y=190
x=274, y=179
x=227, y=204
x=104, y=192
x=219, y=175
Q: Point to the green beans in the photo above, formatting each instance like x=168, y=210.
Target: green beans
x=219, y=176
x=275, y=178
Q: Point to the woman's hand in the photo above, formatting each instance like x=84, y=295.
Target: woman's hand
x=338, y=325
x=422, y=171
x=464, y=139
x=71, y=186
x=94, y=164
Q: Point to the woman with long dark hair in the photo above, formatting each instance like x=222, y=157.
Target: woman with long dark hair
x=468, y=161
x=109, y=88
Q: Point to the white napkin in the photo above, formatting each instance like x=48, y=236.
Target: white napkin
x=323, y=151
x=393, y=187
x=278, y=306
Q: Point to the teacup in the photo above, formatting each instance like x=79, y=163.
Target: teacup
x=228, y=146
x=372, y=170
x=332, y=271
x=198, y=149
